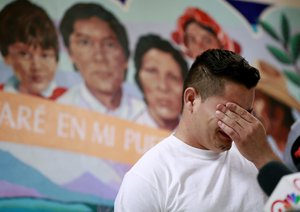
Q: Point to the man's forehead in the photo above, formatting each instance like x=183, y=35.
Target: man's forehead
x=240, y=95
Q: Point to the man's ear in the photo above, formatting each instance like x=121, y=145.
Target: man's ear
x=189, y=98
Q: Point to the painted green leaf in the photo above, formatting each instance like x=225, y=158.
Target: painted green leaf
x=292, y=76
x=285, y=30
x=280, y=55
x=269, y=29
x=295, y=46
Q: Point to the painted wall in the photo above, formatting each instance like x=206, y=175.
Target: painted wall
x=63, y=154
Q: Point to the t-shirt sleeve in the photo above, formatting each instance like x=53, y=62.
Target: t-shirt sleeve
x=137, y=194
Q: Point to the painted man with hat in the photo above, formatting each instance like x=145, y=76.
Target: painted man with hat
x=275, y=106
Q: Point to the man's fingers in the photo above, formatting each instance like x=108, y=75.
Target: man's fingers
x=230, y=118
x=229, y=131
x=246, y=115
x=231, y=127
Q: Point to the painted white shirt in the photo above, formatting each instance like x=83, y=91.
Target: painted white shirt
x=145, y=118
x=80, y=96
x=12, y=84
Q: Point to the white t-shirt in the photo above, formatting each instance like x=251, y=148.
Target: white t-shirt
x=80, y=96
x=173, y=176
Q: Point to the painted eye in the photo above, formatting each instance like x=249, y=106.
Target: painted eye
x=47, y=55
x=173, y=78
x=85, y=42
x=24, y=54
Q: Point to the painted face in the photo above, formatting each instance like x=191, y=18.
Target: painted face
x=98, y=55
x=198, y=40
x=262, y=109
x=33, y=66
x=161, y=80
x=205, y=128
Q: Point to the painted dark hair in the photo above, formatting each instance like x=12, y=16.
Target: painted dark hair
x=83, y=11
x=151, y=41
x=22, y=21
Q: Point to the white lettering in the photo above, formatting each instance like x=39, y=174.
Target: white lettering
x=6, y=115
x=24, y=114
x=70, y=127
x=26, y=118
x=103, y=135
x=131, y=138
x=141, y=144
x=63, y=125
x=78, y=128
x=39, y=119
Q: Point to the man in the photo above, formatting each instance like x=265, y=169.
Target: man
x=29, y=45
x=199, y=168
x=98, y=46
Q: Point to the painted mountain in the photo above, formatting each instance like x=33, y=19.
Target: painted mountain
x=11, y=190
x=89, y=184
x=18, y=178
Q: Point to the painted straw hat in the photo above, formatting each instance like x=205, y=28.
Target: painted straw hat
x=274, y=84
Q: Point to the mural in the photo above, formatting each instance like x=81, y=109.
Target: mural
x=87, y=88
